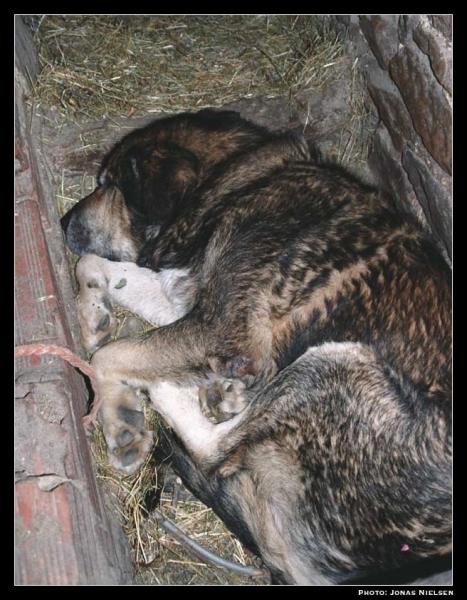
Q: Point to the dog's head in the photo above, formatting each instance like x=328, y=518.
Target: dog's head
x=148, y=177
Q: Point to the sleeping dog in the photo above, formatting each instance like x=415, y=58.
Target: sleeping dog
x=302, y=311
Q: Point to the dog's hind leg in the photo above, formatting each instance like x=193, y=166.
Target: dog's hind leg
x=333, y=471
x=180, y=408
x=223, y=399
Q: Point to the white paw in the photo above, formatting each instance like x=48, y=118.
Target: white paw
x=223, y=399
x=94, y=304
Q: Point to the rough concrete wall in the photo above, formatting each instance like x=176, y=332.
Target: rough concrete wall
x=408, y=63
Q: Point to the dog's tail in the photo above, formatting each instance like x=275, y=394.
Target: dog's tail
x=213, y=491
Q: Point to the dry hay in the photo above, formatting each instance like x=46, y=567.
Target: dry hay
x=135, y=65
x=114, y=67
x=96, y=67
x=158, y=557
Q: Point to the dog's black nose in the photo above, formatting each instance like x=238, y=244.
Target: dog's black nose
x=65, y=220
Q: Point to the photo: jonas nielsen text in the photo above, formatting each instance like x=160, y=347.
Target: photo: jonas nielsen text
x=420, y=592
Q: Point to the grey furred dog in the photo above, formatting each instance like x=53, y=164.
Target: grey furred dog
x=299, y=308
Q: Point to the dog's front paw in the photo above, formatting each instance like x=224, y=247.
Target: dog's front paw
x=96, y=318
x=121, y=407
x=94, y=304
x=128, y=447
x=128, y=441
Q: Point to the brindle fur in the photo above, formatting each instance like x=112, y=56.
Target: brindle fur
x=333, y=309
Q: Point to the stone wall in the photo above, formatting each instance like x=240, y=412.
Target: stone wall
x=408, y=63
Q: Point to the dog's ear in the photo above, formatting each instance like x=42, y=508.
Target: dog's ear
x=154, y=181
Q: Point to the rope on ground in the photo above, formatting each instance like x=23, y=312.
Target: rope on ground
x=72, y=359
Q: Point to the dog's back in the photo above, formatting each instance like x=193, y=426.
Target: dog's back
x=309, y=255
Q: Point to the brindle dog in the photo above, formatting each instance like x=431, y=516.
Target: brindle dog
x=315, y=320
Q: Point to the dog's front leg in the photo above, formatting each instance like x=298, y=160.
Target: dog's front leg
x=121, y=378
x=104, y=283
